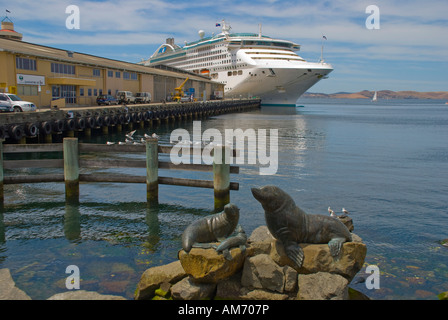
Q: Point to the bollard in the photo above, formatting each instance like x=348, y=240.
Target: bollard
x=152, y=170
x=71, y=169
x=221, y=177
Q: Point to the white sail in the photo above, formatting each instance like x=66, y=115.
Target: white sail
x=375, y=98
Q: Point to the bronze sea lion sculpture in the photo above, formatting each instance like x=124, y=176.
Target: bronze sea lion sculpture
x=291, y=225
x=216, y=227
x=239, y=240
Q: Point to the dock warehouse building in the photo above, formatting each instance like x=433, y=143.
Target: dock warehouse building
x=41, y=74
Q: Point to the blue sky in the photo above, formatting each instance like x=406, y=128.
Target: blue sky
x=408, y=52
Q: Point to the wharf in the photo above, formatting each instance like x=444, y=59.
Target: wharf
x=17, y=127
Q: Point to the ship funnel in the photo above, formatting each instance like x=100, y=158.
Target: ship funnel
x=170, y=41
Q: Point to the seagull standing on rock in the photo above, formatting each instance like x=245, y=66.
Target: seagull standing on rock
x=344, y=211
x=331, y=212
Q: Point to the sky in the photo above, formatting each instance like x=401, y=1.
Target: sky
x=399, y=45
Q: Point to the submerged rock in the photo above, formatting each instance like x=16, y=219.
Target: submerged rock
x=8, y=289
x=84, y=295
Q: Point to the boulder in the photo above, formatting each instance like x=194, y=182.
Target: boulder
x=84, y=295
x=261, y=272
x=187, y=289
x=8, y=289
x=231, y=289
x=322, y=286
x=208, y=266
x=259, y=241
x=347, y=221
x=317, y=258
x=152, y=279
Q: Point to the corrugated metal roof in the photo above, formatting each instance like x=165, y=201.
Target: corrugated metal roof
x=50, y=53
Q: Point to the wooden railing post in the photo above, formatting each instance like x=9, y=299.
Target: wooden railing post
x=152, y=170
x=221, y=177
x=71, y=169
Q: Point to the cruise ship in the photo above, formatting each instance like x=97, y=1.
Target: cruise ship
x=249, y=64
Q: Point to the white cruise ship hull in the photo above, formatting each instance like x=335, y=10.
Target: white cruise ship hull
x=278, y=86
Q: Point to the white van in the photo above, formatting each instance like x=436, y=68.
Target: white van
x=142, y=97
x=125, y=97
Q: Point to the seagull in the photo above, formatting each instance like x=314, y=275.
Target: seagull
x=130, y=134
x=147, y=136
x=331, y=212
x=154, y=135
x=108, y=142
x=344, y=211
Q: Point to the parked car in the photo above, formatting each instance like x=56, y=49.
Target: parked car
x=125, y=97
x=106, y=99
x=142, y=97
x=11, y=103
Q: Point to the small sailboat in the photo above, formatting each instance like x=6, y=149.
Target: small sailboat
x=375, y=97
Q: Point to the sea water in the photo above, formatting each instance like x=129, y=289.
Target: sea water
x=385, y=162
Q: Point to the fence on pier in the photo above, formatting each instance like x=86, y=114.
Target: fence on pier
x=72, y=161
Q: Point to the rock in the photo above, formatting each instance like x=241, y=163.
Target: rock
x=84, y=295
x=164, y=290
x=259, y=241
x=186, y=289
x=290, y=279
x=322, y=286
x=443, y=295
x=231, y=289
x=261, y=272
x=152, y=278
x=8, y=289
x=207, y=266
x=444, y=242
x=354, y=294
x=318, y=258
x=264, y=295
x=347, y=221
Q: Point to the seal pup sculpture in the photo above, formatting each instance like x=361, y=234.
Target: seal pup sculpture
x=216, y=227
x=291, y=225
x=239, y=240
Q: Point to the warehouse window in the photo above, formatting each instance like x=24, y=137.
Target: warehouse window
x=96, y=72
x=110, y=74
x=126, y=75
x=27, y=90
x=25, y=64
x=62, y=68
x=117, y=74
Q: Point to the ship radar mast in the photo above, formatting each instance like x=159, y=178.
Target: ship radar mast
x=225, y=28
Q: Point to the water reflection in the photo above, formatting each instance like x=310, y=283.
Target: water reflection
x=72, y=222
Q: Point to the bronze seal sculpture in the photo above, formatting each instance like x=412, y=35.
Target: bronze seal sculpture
x=291, y=225
x=216, y=227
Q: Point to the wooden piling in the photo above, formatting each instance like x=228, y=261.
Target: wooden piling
x=221, y=177
x=152, y=170
x=71, y=169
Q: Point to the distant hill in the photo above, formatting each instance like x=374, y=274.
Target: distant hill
x=383, y=94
